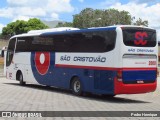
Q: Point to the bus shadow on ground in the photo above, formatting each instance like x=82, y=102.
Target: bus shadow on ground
x=87, y=96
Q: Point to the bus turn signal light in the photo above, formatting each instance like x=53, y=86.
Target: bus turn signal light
x=119, y=75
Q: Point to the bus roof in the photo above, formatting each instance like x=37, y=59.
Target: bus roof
x=52, y=30
x=92, y=29
x=65, y=30
x=78, y=31
x=38, y=32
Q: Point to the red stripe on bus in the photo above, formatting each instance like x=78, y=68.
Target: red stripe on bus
x=86, y=67
x=121, y=88
x=102, y=68
x=130, y=69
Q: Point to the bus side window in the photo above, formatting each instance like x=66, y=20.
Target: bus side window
x=10, y=51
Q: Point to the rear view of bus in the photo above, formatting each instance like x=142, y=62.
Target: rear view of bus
x=138, y=53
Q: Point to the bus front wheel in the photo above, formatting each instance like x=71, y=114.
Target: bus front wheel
x=76, y=86
x=21, y=79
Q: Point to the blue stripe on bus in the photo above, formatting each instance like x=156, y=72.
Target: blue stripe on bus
x=148, y=75
x=77, y=31
x=94, y=81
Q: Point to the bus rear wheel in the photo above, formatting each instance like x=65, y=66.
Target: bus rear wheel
x=76, y=86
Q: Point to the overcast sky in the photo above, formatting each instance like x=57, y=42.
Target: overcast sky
x=12, y=10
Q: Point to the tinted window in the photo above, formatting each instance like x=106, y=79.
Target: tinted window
x=10, y=51
x=11, y=45
x=139, y=37
x=23, y=44
x=26, y=44
x=99, y=41
x=42, y=44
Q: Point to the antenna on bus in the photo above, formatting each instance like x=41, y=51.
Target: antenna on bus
x=52, y=30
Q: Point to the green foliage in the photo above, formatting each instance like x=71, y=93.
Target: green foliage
x=85, y=19
x=99, y=18
x=66, y=24
x=141, y=22
x=35, y=24
x=21, y=26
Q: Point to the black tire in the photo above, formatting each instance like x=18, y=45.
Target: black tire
x=21, y=82
x=76, y=87
x=108, y=96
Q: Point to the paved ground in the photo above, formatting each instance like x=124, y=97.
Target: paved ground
x=14, y=97
x=1, y=70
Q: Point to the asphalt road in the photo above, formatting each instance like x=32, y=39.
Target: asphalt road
x=14, y=97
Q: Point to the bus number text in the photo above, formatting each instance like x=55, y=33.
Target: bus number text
x=152, y=62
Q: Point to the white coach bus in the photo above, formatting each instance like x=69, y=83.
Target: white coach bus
x=106, y=60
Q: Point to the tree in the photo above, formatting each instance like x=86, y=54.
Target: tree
x=21, y=26
x=141, y=22
x=9, y=30
x=99, y=18
x=84, y=19
x=66, y=24
x=96, y=18
x=35, y=24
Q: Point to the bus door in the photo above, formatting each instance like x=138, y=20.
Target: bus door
x=10, y=67
x=103, y=80
x=23, y=54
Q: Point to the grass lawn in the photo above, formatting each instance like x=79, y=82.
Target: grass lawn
x=1, y=65
x=1, y=69
x=1, y=61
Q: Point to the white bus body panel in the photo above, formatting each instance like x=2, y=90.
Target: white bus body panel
x=21, y=61
x=103, y=60
x=138, y=57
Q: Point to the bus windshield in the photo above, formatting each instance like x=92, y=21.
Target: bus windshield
x=139, y=37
